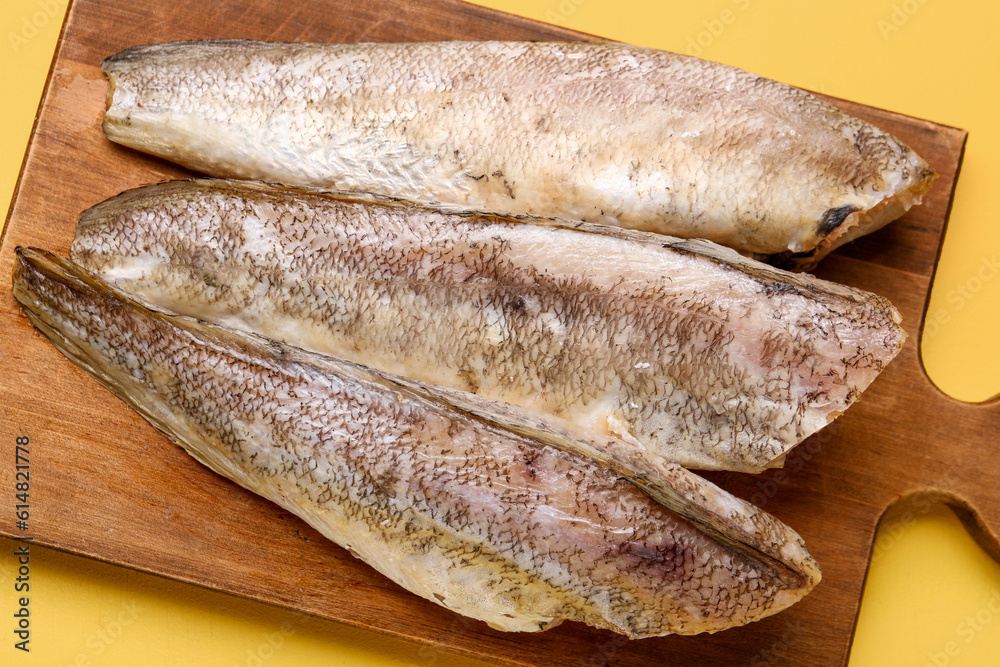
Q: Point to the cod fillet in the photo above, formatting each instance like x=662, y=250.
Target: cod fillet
x=683, y=348
x=476, y=506
x=598, y=132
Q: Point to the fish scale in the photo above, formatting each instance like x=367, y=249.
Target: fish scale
x=447, y=499
x=598, y=132
x=619, y=331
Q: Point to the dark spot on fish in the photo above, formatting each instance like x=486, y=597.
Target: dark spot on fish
x=510, y=190
x=790, y=261
x=506, y=98
x=210, y=281
x=479, y=177
x=774, y=288
x=471, y=381
x=529, y=464
x=518, y=304
x=664, y=561
x=833, y=218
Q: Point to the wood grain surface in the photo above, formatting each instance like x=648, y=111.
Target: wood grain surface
x=105, y=484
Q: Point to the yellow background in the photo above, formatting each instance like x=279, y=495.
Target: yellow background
x=931, y=595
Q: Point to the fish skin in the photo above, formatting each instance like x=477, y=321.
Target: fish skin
x=592, y=131
x=683, y=348
x=411, y=485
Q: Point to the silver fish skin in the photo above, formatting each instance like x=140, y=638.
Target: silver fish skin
x=508, y=521
x=683, y=348
x=598, y=132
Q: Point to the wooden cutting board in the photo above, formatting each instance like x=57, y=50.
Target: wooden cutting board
x=106, y=485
